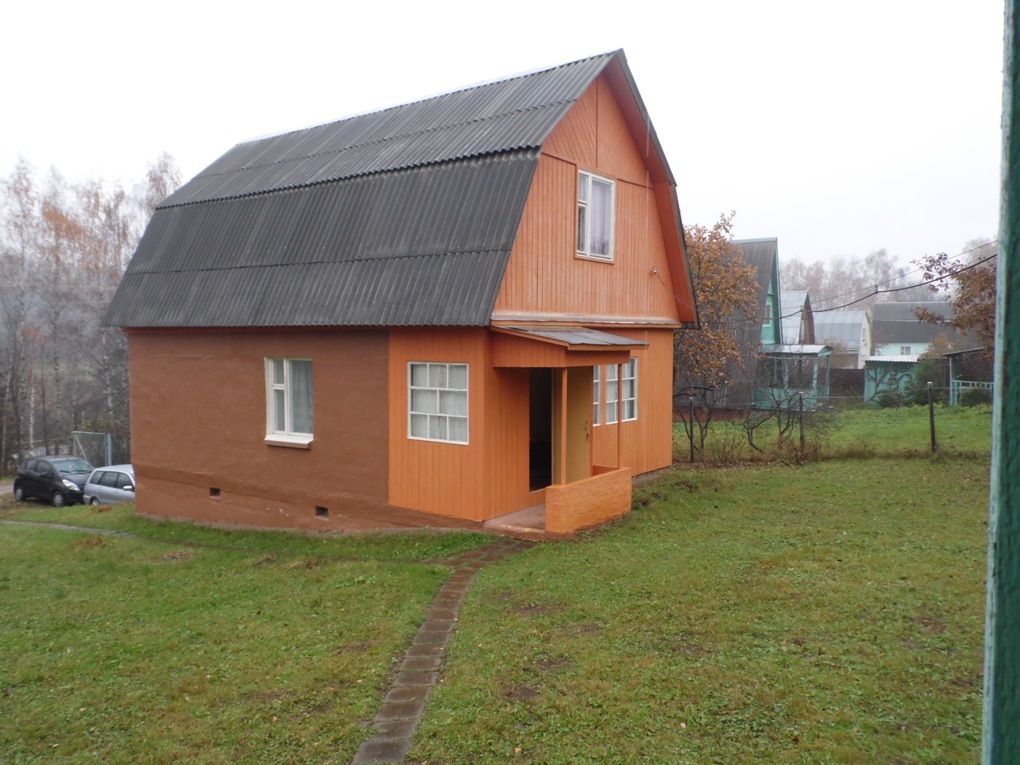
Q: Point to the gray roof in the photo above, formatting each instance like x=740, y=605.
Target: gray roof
x=792, y=312
x=841, y=328
x=577, y=337
x=400, y=217
x=898, y=322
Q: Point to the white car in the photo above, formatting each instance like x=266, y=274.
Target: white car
x=110, y=485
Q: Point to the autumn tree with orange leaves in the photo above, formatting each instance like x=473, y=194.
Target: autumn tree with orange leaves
x=707, y=360
x=969, y=284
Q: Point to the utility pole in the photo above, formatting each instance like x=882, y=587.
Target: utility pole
x=1001, y=735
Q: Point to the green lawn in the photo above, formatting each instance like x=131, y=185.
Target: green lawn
x=826, y=613
x=861, y=432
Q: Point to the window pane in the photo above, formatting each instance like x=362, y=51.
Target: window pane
x=278, y=371
x=419, y=426
x=453, y=402
x=437, y=427
x=628, y=389
x=611, y=372
x=424, y=401
x=437, y=375
x=582, y=228
x=611, y=411
x=458, y=376
x=301, y=396
x=279, y=409
x=458, y=429
x=629, y=410
x=601, y=214
x=123, y=479
x=582, y=187
x=420, y=375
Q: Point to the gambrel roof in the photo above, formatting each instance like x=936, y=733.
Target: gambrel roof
x=402, y=217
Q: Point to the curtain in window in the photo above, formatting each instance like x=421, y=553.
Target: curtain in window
x=301, y=396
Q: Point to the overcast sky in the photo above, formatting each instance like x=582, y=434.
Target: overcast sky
x=838, y=128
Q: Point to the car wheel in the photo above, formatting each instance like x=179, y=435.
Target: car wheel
x=58, y=499
x=19, y=494
x=95, y=501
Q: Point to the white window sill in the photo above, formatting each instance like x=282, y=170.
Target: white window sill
x=595, y=258
x=292, y=442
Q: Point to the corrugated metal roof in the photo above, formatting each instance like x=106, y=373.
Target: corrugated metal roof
x=840, y=328
x=898, y=322
x=792, y=313
x=581, y=337
x=425, y=246
x=509, y=115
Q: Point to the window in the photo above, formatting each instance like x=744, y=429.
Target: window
x=438, y=402
x=595, y=205
x=904, y=350
x=289, y=401
x=627, y=403
x=596, y=387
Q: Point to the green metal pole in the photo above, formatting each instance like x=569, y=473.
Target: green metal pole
x=1001, y=738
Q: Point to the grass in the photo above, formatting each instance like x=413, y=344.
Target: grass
x=823, y=614
x=863, y=432
x=761, y=613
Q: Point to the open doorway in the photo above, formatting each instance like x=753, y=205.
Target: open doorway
x=540, y=432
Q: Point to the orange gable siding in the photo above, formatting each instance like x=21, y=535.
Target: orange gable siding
x=544, y=278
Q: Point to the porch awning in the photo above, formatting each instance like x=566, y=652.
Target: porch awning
x=515, y=346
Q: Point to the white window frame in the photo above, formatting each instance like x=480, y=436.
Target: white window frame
x=615, y=404
x=585, y=208
x=904, y=350
x=630, y=373
x=284, y=434
x=438, y=381
x=596, y=395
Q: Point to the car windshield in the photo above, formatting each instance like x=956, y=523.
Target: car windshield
x=68, y=467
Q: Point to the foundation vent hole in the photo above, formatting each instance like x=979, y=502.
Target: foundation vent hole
x=322, y=512
x=214, y=491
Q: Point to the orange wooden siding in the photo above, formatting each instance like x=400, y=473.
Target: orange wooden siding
x=544, y=277
x=647, y=441
x=479, y=480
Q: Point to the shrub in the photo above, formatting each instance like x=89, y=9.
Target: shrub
x=975, y=397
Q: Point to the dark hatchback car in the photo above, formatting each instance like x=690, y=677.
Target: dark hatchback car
x=57, y=479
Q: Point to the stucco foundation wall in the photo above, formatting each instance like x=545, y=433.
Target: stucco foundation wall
x=198, y=421
x=588, y=502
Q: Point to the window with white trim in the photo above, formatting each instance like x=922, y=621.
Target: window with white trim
x=596, y=391
x=621, y=395
x=904, y=350
x=437, y=402
x=289, y=400
x=596, y=200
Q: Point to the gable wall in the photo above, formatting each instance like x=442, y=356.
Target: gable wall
x=207, y=428
x=544, y=277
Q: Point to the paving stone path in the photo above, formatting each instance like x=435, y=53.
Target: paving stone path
x=395, y=723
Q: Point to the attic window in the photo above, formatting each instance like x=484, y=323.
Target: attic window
x=596, y=199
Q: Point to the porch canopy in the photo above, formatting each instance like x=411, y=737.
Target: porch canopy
x=517, y=346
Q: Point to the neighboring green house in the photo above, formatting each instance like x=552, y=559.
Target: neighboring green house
x=779, y=370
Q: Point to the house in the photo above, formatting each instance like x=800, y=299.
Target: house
x=777, y=373
x=849, y=335
x=439, y=313
x=896, y=330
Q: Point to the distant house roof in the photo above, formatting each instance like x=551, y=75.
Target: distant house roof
x=796, y=314
x=763, y=256
x=402, y=217
x=842, y=329
x=898, y=322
